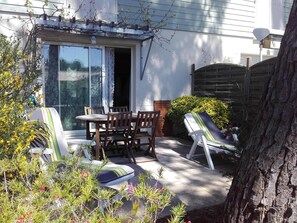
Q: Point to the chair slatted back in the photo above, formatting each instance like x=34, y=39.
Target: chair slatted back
x=117, y=128
x=118, y=109
x=118, y=121
x=145, y=130
x=147, y=120
x=91, y=126
x=94, y=110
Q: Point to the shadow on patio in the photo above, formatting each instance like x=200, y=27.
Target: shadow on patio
x=192, y=182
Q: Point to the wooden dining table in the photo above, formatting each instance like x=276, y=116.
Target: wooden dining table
x=99, y=120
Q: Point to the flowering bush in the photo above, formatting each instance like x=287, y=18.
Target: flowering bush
x=217, y=109
x=65, y=192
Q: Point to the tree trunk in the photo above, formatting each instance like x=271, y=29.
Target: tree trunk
x=264, y=189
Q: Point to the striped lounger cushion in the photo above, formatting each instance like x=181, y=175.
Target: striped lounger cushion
x=110, y=173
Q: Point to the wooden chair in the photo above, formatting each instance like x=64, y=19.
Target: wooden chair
x=93, y=110
x=118, y=128
x=118, y=109
x=144, y=131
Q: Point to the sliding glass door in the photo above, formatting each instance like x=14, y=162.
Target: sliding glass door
x=72, y=80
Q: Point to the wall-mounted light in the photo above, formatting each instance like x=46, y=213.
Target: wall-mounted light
x=260, y=34
x=93, y=40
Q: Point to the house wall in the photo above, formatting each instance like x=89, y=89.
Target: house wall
x=36, y=6
x=223, y=17
x=15, y=20
x=189, y=32
x=228, y=17
x=167, y=73
x=200, y=33
x=81, y=9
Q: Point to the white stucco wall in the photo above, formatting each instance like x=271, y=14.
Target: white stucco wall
x=167, y=73
x=12, y=26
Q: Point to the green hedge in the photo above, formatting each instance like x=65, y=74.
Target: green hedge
x=218, y=110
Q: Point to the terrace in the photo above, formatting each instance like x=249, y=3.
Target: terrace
x=192, y=182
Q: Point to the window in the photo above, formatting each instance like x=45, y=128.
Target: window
x=72, y=80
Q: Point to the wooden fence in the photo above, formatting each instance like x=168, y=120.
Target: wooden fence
x=239, y=86
x=257, y=80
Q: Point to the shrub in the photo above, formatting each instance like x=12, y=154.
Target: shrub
x=218, y=110
x=179, y=107
x=15, y=89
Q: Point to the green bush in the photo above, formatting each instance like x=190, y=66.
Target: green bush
x=218, y=110
x=181, y=106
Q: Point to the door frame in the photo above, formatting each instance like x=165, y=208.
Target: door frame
x=135, y=71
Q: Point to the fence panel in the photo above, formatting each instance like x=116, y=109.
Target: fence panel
x=260, y=74
x=240, y=87
x=222, y=81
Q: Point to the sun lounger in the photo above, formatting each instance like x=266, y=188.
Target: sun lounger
x=207, y=135
x=110, y=174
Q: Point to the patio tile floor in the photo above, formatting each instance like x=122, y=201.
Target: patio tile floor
x=192, y=182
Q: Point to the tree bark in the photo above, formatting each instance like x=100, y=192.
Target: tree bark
x=264, y=188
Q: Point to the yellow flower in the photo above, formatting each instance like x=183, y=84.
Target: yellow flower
x=9, y=175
